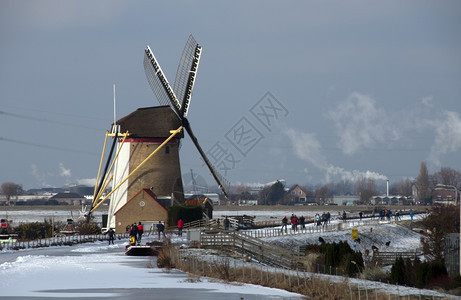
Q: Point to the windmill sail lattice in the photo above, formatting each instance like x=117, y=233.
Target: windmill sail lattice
x=185, y=75
x=183, y=86
x=158, y=82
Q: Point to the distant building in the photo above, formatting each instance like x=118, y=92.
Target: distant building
x=3, y=200
x=296, y=195
x=204, y=202
x=243, y=202
x=214, y=197
x=392, y=200
x=68, y=198
x=444, y=195
x=345, y=199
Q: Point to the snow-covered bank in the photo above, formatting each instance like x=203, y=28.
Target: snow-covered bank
x=100, y=271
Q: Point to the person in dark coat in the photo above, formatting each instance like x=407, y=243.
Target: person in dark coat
x=160, y=229
x=134, y=231
x=111, y=234
x=302, y=221
x=284, y=224
x=226, y=224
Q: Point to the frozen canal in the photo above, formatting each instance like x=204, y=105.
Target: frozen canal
x=96, y=270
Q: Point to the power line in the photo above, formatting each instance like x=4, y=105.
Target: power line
x=46, y=120
x=46, y=146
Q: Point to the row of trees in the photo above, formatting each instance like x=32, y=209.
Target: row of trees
x=365, y=188
x=421, y=188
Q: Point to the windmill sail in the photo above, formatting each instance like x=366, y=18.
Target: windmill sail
x=185, y=75
x=184, y=83
x=222, y=182
x=158, y=82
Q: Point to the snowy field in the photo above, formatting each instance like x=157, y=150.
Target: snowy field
x=20, y=215
x=96, y=270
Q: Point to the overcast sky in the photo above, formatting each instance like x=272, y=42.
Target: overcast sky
x=306, y=91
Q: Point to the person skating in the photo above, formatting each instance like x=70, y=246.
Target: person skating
x=180, y=227
x=111, y=234
x=140, y=232
x=134, y=232
x=284, y=224
x=160, y=229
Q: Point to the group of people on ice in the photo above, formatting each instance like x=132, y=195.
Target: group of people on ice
x=387, y=213
x=323, y=219
x=136, y=231
x=319, y=220
x=294, y=221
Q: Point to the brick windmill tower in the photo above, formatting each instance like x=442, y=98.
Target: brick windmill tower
x=149, y=128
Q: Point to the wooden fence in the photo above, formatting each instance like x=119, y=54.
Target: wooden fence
x=57, y=241
x=251, y=248
x=295, y=280
x=388, y=258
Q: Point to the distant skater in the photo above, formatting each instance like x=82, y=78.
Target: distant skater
x=160, y=229
x=284, y=224
x=134, y=232
x=180, y=227
x=111, y=234
x=140, y=232
x=302, y=222
x=226, y=224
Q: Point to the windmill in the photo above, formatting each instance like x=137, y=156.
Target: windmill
x=138, y=163
x=179, y=97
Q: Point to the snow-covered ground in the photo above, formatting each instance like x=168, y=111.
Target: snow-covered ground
x=56, y=215
x=97, y=270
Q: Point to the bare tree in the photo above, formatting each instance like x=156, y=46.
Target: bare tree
x=344, y=187
x=323, y=195
x=263, y=196
x=11, y=189
x=365, y=188
x=448, y=176
x=403, y=187
x=241, y=189
x=439, y=223
x=422, y=184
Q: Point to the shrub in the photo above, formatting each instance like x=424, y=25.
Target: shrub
x=354, y=263
x=35, y=230
x=83, y=227
x=398, y=272
x=430, y=274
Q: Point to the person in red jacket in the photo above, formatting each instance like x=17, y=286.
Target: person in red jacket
x=180, y=226
x=140, y=232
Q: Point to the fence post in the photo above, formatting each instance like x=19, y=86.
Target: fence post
x=297, y=275
x=261, y=272
x=267, y=275
x=289, y=281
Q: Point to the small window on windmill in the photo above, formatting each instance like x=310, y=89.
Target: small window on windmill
x=167, y=149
